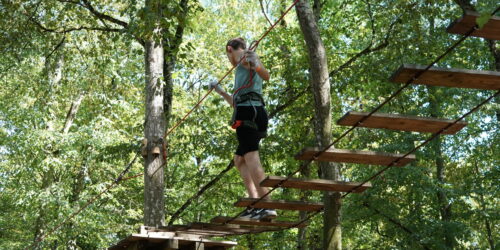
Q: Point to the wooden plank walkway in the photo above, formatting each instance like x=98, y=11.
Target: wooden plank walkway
x=401, y=122
x=157, y=238
x=187, y=229
x=314, y=184
x=280, y=204
x=491, y=30
x=355, y=156
x=228, y=228
x=249, y=222
x=455, y=78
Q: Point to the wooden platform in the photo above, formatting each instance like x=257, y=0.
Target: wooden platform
x=187, y=229
x=228, y=228
x=151, y=238
x=215, y=230
x=280, y=204
x=400, y=122
x=355, y=156
x=314, y=184
x=455, y=78
x=491, y=30
x=249, y=222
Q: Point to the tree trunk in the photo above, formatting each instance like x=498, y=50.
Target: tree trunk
x=304, y=194
x=443, y=202
x=482, y=205
x=53, y=72
x=495, y=51
x=320, y=84
x=70, y=117
x=170, y=48
x=154, y=128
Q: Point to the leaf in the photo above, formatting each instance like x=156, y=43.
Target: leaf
x=483, y=19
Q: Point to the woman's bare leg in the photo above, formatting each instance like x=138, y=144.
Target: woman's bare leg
x=246, y=175
x=252, y=162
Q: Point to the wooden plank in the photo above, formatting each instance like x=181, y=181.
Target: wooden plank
x=280, y=204
x=164, y=240
x=491, y=30
x=249, y=222
x=314, y=184
x=400, y=122
x=220, y=228
x=212, y=243
x=455, y=78
x=355, y=156
x=208, y=243
x=185, y=229
x=206, y=233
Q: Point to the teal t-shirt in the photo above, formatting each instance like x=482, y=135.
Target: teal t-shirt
x=242, y=77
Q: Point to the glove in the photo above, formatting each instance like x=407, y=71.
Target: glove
x=252, y=58
x=214, y=84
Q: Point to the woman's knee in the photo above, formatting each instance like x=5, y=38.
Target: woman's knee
x=239, y=161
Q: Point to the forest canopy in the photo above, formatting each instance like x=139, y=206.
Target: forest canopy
x=73, y=77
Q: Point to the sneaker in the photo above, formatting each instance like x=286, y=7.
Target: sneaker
x=264, y=214
x=247, y=214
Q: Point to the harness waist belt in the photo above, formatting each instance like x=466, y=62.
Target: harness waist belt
x=250, y=96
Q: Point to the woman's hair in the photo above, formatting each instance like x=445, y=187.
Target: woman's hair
x=237, y=43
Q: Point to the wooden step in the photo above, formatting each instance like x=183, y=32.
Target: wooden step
x=455, y=78
x=226, y=229
x=187, y=230
x=280, y=204
x=249, y=222
x=355, y=156
x=401, y=122
x=491, y=30
x=314, y=184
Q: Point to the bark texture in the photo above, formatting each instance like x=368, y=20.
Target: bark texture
x=53, y=73
x=70, y=117
x=154, y=129
x=320, y=85
x=170, y=48
x=444, y=204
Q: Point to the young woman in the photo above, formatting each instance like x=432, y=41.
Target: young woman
x=249, y=119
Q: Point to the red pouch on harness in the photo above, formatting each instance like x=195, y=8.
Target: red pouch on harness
x=236, y=124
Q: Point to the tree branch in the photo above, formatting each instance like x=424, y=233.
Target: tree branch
x=369, y=48
x=397, y=223
x=290, y=101
x=56, y=48
x=199, y=193
x=100, y=15
x=70, y=117
x=264, y=12
x=68, y=30
x=465, y=5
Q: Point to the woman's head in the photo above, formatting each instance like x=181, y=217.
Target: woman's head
x=235, y=48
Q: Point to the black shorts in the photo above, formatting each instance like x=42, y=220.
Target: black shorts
x=249, y=138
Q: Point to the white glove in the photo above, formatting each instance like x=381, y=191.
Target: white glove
x=252, y=58
x=214, y=84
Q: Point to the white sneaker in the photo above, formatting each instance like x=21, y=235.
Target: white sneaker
x=247, y=214
x=264, y=214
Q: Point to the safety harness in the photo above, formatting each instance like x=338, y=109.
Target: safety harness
x=247, y=97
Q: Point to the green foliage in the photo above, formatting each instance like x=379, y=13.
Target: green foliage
x=47, y=174
x=483, y=19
